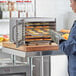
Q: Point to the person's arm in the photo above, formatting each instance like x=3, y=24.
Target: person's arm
x=69, y=46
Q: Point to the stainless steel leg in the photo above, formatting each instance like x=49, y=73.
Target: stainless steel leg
x=42, y=64
x=43, y=60
x=13, y=58
x=49, y=65
x=31, y=66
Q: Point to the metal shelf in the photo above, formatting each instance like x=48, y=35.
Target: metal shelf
x=4, y=20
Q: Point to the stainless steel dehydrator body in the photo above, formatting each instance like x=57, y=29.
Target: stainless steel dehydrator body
x=35, y=27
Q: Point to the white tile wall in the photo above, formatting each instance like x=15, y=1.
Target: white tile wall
x=4, y=26
x=45, y=8
x=55, y=8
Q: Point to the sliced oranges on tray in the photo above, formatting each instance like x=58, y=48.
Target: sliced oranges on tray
x=65, y=31
x=65, y=36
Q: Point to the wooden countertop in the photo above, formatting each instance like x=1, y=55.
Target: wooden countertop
x=33, y=48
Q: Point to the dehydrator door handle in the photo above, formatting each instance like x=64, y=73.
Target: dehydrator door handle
x=20, y=33
x=13, y=33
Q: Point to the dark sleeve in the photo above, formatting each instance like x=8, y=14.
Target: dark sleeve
x=69, y=46
x=61, y=40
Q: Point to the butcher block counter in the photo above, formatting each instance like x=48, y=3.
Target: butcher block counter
x=31, y=48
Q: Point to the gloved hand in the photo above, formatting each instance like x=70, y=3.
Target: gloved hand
x=56, y=37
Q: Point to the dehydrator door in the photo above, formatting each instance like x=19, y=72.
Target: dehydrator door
x=20, y=33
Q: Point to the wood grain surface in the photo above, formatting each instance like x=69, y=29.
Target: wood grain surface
x=34, y=48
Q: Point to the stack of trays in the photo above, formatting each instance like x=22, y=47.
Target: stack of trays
x=38, y=32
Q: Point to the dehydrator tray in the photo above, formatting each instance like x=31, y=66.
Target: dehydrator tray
x=37, y=23
x=37, y=37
